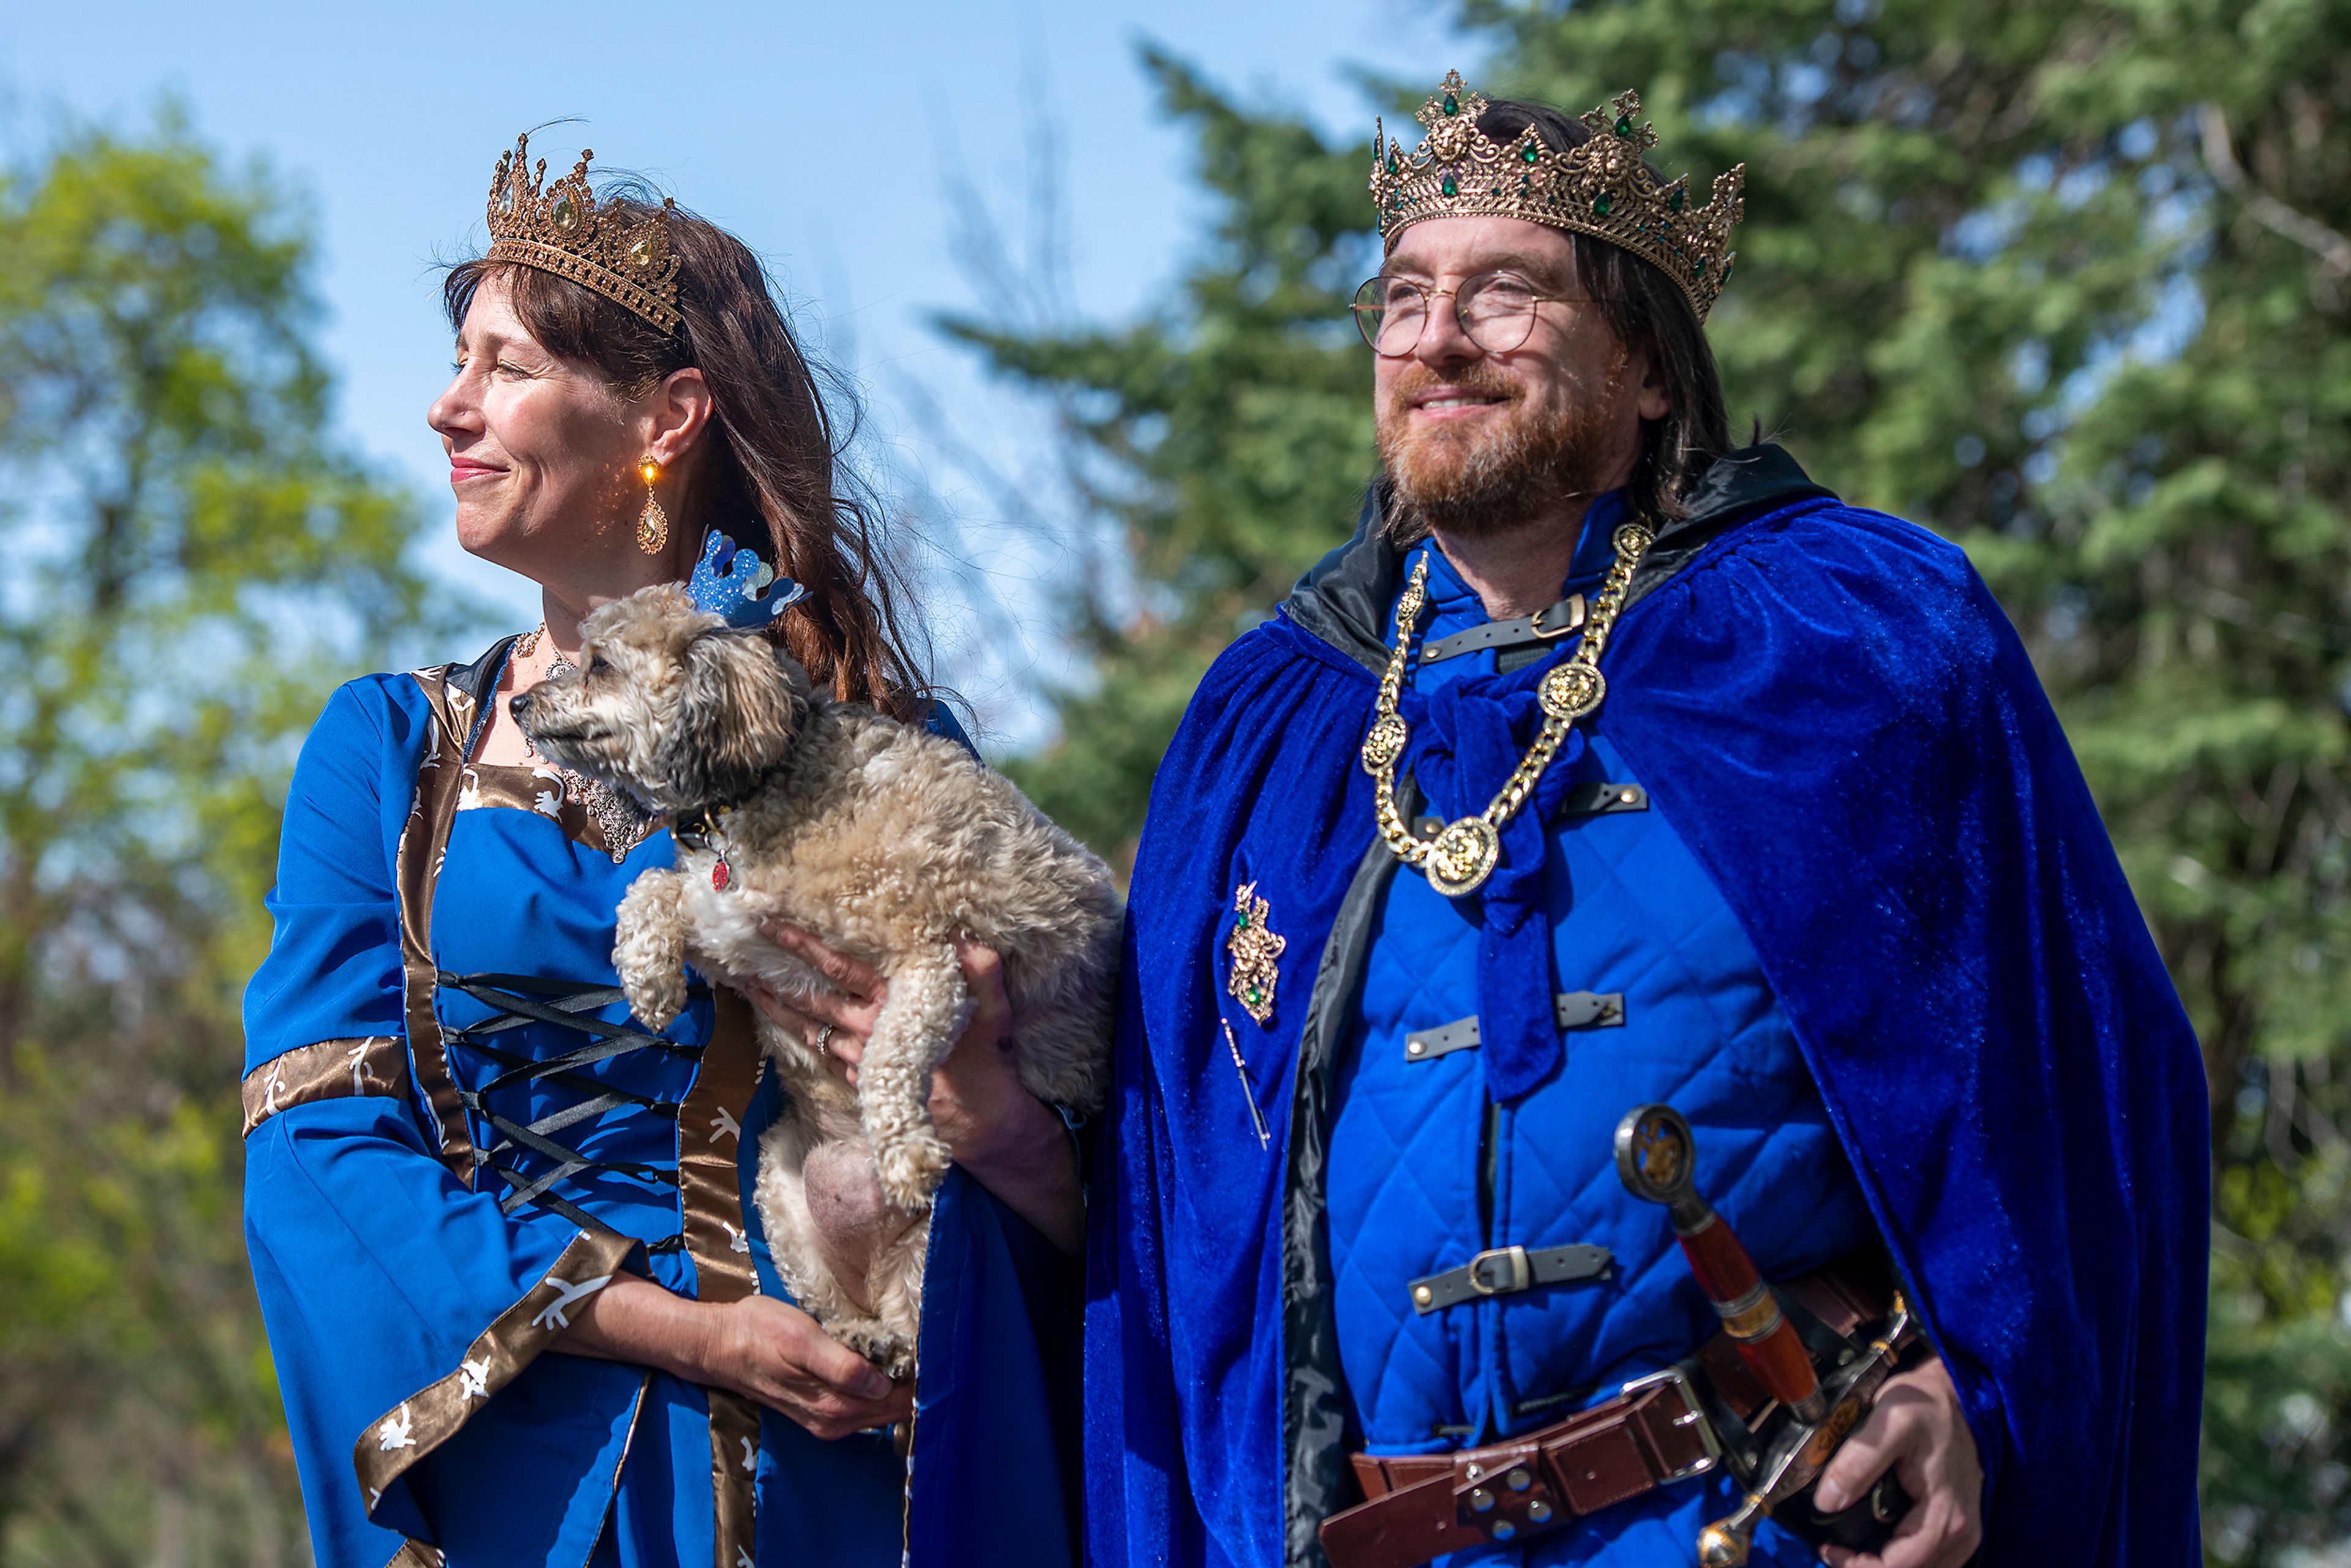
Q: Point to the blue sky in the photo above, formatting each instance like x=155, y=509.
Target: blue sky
x=827, y=136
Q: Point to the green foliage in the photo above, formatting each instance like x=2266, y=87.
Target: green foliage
x=2066, y=282
x=192, y=562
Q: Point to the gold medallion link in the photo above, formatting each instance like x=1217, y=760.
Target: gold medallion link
x=1464, y=853
x=1463, y=856
x=1570, y=692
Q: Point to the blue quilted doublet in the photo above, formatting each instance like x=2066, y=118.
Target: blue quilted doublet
x=1632, y=913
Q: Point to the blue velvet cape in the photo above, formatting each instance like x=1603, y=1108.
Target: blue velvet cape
x=1848, y=732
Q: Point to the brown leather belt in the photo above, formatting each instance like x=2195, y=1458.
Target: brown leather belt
x=1654, y=1433
x=1421, y=1506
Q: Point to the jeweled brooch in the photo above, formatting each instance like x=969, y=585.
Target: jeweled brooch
x=1256, y=951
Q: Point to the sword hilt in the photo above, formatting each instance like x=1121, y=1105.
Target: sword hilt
x=1657, y=1159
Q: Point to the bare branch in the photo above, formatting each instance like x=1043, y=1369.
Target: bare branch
x=2221, y=157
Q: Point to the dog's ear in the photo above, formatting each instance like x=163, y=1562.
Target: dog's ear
x=742, y=703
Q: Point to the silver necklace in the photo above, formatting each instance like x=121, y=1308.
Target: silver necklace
x=616, y=815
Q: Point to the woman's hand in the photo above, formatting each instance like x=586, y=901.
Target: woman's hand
x=776, y=1354
x=756, y=1347
x=1919, y=1430
x=1010, y=1142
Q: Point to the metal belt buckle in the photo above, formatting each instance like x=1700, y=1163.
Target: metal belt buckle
x=1574, y=619
x=1521, y=1273
x=1693, y=1415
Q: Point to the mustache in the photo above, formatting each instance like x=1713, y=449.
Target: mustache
x=1475, y=376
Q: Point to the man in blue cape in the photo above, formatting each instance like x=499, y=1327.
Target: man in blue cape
x=1432, y=895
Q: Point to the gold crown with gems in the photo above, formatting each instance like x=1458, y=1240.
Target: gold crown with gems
x=1600, y=187
x=619, y=249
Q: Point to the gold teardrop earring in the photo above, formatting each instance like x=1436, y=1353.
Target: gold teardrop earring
x=652, y=523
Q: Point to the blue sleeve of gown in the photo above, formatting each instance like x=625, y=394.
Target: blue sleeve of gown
x=406, y=1312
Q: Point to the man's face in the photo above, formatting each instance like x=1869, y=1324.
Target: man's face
x=1479, y=441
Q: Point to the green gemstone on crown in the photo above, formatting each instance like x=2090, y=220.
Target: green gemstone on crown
x=1452, y=104
x=1698, y=267
x=1624, y=126
x=1678, y=198
x=1392, y=163
x=1600, y=203
x=1448, y=187
x=1532, y=153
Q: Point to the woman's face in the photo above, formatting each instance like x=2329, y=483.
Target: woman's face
x=543, y=452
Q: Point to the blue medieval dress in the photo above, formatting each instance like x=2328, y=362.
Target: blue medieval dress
x=1821, y=874
x=456, y=1131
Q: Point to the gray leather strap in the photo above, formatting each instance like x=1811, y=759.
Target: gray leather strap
x=1507, y=1270
x=1592, y=797
x=1543, y=626
x=1600, y=797
x=1575, y=1010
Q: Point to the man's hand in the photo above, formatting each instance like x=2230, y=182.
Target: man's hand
x=1917, y=1429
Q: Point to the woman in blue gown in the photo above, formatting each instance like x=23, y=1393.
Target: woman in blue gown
x=521, y=1308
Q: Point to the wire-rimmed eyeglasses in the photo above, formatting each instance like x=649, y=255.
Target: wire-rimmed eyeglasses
x=1496, y=309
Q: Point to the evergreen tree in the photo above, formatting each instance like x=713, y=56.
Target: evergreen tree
x=1221, y=442
x=193, y=562
x=2066, y=282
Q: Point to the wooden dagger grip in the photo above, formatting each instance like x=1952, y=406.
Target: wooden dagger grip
x=1767, y=1341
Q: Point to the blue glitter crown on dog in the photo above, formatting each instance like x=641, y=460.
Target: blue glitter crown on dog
x=728, y=581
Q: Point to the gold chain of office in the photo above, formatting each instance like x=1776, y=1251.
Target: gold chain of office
x=1460, y=859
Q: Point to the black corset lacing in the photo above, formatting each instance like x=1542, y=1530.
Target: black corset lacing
x=518, y=1001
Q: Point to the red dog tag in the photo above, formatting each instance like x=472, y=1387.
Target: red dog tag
x=721, y=874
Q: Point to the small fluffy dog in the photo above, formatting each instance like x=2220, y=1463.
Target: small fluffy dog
x=884, y=842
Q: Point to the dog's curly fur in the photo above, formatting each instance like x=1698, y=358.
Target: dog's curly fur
x=883, y=841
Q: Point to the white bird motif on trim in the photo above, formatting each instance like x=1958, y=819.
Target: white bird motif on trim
x=475, y=1378
x=724, y=1125
x=270, y=1090
x=743, y=1559
x=359, y=1049
x=394, y=1432
x=736, y=1240
x=556, y=1313
x=750, y=1454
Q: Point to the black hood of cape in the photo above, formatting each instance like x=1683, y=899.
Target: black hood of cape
x=1344, y=600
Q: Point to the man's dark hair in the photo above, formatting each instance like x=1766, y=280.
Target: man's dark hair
x=1649, y=313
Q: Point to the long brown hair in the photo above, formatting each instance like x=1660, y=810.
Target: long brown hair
x=1647, y=311
x=779, y=455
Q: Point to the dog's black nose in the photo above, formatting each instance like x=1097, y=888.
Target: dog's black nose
x=518, y=705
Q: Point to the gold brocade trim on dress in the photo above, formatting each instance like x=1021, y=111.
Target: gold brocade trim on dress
x=432, y=1416
x=424, y=842
x=377, y=1064
x=523, y=787
x=710, y=1203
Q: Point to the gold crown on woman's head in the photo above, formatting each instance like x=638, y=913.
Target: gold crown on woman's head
x=620, y=250
x=1600, y=187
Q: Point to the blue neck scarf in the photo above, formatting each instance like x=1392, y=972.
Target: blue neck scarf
x=1468, y=736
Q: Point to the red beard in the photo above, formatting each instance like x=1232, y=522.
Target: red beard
x=1469, y=483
